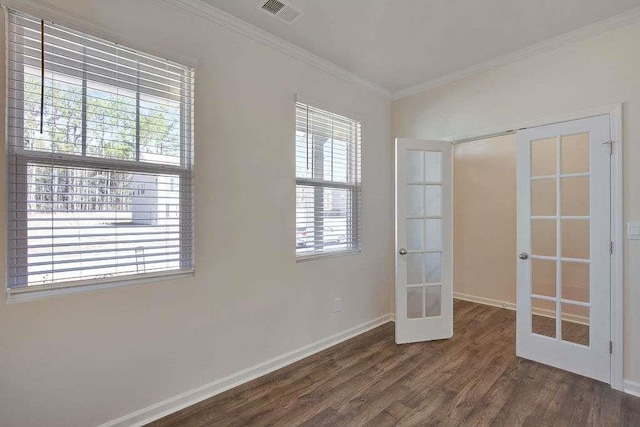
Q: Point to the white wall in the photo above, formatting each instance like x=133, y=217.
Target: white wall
x=85, y=359
x=591, y=73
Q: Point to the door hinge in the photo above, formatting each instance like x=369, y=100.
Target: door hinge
x=611, y=248
x=610, y=144
x=610, y=347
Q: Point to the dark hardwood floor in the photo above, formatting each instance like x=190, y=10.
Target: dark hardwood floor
x=472, y=379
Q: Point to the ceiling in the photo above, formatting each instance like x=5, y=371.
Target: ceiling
x=398, y=44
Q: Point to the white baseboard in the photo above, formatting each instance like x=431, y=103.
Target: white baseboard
x=631, y=387
x=183, y=400
x=486, y=301
x=511, y=306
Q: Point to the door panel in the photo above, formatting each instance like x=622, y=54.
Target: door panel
x=563, y=316
x=424, y=294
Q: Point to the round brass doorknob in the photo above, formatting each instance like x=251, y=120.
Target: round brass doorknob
x=523, y=256
x=402, y=251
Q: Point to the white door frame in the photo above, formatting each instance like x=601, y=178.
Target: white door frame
x=614, y=112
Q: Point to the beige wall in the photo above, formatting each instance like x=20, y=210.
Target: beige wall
x=85, y=359
x=587, y=74
x=484, y=200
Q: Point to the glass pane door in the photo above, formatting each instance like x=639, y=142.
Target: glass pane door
x=564, y=237
x=424, y=286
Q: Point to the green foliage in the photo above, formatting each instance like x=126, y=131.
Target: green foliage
x=112, y=125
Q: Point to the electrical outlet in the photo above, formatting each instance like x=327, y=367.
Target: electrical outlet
x=337, y=305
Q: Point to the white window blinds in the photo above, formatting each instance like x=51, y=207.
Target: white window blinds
x=328, y=187
x=99, y=157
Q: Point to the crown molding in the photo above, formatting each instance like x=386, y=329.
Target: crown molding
x=230, y=22
x=589, y=31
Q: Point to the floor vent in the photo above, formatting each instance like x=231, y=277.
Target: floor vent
x=283, y=11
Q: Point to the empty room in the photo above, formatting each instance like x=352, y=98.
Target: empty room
x=299, y=212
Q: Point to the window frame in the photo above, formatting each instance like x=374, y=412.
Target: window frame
x=354, y=223
x=18, y=158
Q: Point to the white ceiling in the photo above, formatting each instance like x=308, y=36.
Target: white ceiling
x=398, y=44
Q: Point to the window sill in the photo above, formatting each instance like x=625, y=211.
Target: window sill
x=18, y=295
x=313, y=257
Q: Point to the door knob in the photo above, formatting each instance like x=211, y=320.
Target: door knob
x=523, y=255
x=402, y=251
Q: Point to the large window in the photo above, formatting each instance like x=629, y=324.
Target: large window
x=99, y=159
x=327, y=183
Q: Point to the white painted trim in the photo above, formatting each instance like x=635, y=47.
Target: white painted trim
x=612, y=110
x=632, y=388
x=230, y=22
x=618, y=239
x=191, y=397
x=67, y=19
x=17, y=295
x=589, y=31
x=485, y=301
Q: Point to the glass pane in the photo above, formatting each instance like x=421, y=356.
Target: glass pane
x=575, y=238
x=544, y=157
x=414, y=234
x=575, y=281
x=414, y=166
x=432, y=301
x=575, y=324
x=415, y=205
x=414, y=303
x=122, y=223
x=335, y=233
x=111, y=118
x=543, y=236
x=432, y=166
x=543, y=277
x=433, y=267
x=433, y=234
x=62, y=125
x=575, y=153
x=414, y=269
x=543, y=317
x=575, y=196
x=433, y=200
x=543, y=197
x=159, y=130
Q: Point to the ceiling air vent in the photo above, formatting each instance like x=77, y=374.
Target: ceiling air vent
x=281, y=10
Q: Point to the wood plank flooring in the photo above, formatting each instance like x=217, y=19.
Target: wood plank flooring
x=472, y=379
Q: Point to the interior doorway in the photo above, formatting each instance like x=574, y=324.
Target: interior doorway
x=485, y=210
x=545, y=193
x=497, y=237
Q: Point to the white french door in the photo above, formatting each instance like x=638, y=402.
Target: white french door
x=564, y=260
x=424, y=294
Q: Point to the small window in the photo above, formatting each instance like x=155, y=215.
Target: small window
x=328, y=187
x=99, y=157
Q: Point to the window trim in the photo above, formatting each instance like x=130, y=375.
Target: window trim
x=357, y=219
x=18, y=295
x=18, y=157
